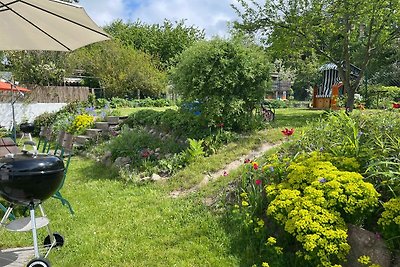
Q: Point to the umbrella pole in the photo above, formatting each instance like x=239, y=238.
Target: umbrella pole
x=14, y=129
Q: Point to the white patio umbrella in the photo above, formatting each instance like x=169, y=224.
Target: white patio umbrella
x=46, y=25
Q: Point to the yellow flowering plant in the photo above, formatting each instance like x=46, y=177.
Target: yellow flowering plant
x=390, y=222
x=80, y=123
x=314, y=204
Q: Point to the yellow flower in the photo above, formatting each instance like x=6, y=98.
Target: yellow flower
x=271, y=240
x=279, y=250
x=245, y=203
x=244, y=194
x=265, y=264
x=364, y=260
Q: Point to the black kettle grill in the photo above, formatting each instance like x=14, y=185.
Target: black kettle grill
x=27, y=127
x=27, y=180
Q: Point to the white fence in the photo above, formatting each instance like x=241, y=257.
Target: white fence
x=25, y=112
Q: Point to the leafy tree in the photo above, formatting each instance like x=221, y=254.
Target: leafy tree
x=163, y=41
x=122, y=71
x=228, y=78
x=385, y=70
x=342, y=32
x=38, y=67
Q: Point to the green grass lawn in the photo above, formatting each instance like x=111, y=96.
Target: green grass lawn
x=119, y=224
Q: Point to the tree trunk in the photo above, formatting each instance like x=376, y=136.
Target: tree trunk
x=350, y=98
x=346, y=68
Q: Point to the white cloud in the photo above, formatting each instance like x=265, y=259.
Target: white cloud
x=211, y=15
x=104, y=11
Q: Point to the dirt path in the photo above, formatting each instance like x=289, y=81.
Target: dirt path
x=231, y=166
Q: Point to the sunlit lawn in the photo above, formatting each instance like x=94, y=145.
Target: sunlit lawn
x=118, y=224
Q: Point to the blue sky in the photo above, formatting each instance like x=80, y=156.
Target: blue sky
x=210, y=15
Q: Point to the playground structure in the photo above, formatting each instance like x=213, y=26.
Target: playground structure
x=325, y=96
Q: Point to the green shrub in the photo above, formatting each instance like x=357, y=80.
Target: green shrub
x=172, y=163
x=102, y=102
x=148, y=102
x=218, y=139
x=195, y=150
x=142, y=147
x=145, y=117
x=46, y=120
x=227, y=78
x=117, y=102
x=382, y=96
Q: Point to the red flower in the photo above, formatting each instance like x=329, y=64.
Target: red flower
x=288, y=132
x=258, y=182
x=225, y=173
x=145, y=153
x=396, y=105
x=255, y=165
x=247, y=161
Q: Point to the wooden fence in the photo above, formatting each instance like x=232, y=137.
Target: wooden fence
x=50, y=94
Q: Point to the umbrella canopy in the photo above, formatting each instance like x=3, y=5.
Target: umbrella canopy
x=4, y=86
x=46, y=25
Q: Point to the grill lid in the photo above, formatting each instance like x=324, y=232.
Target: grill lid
x=27, y=179
x=28, y=164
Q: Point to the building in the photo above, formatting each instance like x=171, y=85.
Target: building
x=280, y=89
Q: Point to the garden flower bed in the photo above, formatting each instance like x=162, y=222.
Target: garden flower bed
x=299, y=204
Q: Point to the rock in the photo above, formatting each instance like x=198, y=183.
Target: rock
x=122, y=161
x=155, y=177
x=145, y=179
x=366, y=243
x=397, y=260
x=106, y=159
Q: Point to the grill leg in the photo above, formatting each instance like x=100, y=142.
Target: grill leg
x=6, y=215
x=34, y=233
x=51, y=236
x=52, y=239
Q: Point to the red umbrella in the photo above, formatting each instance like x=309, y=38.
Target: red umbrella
x=7, y=86
x=4, y=86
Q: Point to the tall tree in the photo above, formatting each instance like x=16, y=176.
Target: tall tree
x=122, y=71
x=343, y=32
x=163, y=41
